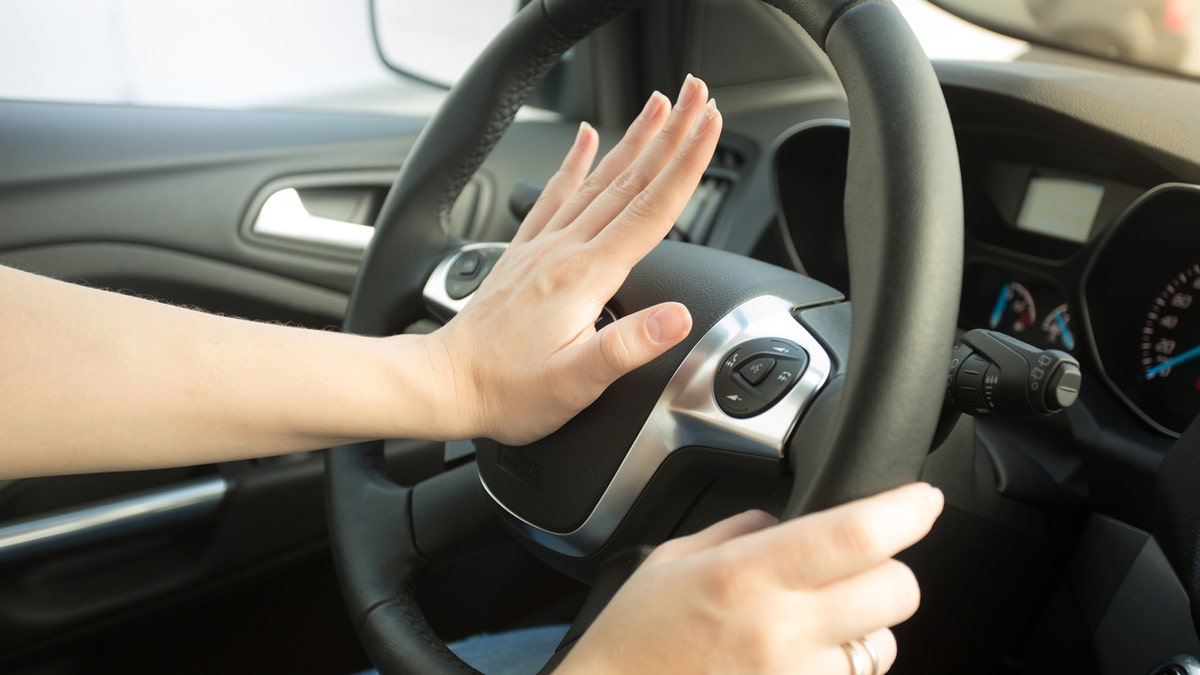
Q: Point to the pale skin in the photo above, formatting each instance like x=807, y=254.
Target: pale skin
x=96, y=381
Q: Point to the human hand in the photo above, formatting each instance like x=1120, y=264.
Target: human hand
x=524, y=354
x=748, y=595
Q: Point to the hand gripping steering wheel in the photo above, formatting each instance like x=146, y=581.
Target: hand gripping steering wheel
x=838, y=415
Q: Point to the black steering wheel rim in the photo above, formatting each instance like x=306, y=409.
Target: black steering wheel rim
x=904, y=231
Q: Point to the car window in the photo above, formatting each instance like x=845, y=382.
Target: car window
x=212, y=54
x=1156, y=33
x=945, y=36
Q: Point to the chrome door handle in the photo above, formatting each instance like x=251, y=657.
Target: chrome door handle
x=284, y=216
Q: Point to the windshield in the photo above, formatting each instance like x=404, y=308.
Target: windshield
x=1160, y=34
x=320, y=54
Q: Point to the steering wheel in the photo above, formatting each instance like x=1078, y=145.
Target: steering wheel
x=854, y=415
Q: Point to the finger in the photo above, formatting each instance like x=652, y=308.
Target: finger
x=882, y=596
x=630, y=342
x=884, y=642
x=837, y=659
x=714, y=535
x=824, y=547
x=562, y=184
x=637, y=137
x=628, y=186
x=647, y=218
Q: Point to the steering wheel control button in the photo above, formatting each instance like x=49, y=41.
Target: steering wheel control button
x=757, y=369
x=735, y=400
x=467, y=264
x=757, y=374
x=468, y=271
x=782, y=379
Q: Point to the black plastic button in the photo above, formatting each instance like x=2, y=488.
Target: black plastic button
x=757, y=369
x=467, y=264
x=731, y=361
x=779, y=348
x=782, y=378
x=735, y=400
x=458, y=289
x=756, y=374
x=468, y=271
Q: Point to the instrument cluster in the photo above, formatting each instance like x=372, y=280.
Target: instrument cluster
x=1065, y=249
x=1142, y=300
x=1129, y=300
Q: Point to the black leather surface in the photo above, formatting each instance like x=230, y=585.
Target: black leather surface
x=411, y=231
x=904, y=235
x=817, y=18
x=378, y=563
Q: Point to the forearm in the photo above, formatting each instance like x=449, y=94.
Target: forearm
x=99, y=381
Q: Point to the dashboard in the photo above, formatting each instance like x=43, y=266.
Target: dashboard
x=1069, y=246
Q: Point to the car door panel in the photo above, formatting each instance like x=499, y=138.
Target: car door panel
x=153, y=202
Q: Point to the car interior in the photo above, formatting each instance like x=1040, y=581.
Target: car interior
x=863, y=212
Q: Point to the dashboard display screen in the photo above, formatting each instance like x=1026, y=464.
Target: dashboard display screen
x=1060, y=207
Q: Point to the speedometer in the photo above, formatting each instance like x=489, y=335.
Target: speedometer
x=1170, y=347
x=1142, y=307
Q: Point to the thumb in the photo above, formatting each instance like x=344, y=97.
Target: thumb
x=633, y=341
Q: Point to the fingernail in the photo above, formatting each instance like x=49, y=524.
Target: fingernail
x=666, y=325
x=686, y=93
x=937, y=499
x=579, y=135
x=710, y=111
x=653, y=107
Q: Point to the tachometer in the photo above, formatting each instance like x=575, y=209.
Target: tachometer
x=1170, y=346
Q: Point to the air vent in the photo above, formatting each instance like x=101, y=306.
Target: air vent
x=695, y=222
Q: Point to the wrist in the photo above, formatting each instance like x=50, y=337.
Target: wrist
x=431, y=396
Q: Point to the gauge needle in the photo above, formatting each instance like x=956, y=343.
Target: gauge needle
x=1067, y=338
x=1189, y=355
x=998, y=310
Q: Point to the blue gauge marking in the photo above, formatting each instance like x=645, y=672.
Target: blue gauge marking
x=1189, y=355
x=1067, y=338
x=1001, y=303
